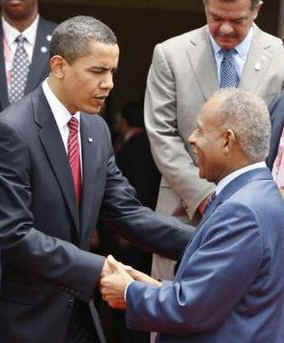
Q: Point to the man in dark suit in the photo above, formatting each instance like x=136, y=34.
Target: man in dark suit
x=229, y=286
x=22, y=18
x=276, y=109
x=58, y=177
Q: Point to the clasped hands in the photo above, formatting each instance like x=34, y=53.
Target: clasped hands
x=115, y=278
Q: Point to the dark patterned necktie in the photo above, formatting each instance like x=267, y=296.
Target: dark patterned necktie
x=20, y=70
x=228, y=72
x=74, y=155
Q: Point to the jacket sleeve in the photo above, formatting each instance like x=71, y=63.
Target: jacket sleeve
x=168, y=147
x=124, y=213
x=214, y=275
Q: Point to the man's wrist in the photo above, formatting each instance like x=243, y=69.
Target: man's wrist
x=125, y=290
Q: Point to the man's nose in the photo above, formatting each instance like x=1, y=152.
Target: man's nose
x=107, y=82
x=226, y=28
x=191, y=138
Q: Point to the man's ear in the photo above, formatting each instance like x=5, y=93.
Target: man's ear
x=230, y=140
x=57, y=65
x=257, y=9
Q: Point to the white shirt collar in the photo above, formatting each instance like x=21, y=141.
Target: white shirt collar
x=227, y=179
x=61, y=114
x=11, y=33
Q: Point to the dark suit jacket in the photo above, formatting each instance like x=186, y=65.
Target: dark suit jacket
x=43, y=236
x=229, y=286
x=39, y=65
x=276, y=109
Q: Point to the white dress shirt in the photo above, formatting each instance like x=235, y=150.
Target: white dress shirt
x=61, y=116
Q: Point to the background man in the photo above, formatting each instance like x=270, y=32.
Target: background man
x=58, y=177
x=229, y=286
x=275, y=159
x=24, y=44
x=185, y=71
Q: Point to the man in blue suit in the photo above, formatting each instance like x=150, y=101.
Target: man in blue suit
x=229, y=286
x=58, y=178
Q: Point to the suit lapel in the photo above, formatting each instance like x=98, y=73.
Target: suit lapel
x=200, y=54
x=3, y=89
x=40, y=57
x=52, y=143
x=258, y=62
x=89, y=146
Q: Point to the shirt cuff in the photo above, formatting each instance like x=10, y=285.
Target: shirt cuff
x=126, y=288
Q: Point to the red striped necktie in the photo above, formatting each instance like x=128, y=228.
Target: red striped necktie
x=74, y=156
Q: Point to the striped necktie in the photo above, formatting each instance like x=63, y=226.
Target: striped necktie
x=228, y=73
x=74, y=156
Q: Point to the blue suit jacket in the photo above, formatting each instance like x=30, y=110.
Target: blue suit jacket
x=229, y=287
x=44, y=237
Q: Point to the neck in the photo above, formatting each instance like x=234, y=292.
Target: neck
x=23, y=23
x=233, y=167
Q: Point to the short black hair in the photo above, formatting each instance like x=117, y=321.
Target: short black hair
x=71, y=38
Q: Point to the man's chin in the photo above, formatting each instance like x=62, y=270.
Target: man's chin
x=227, y=44
x=100, y=110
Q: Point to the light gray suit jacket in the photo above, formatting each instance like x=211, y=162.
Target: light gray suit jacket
x=183, y=75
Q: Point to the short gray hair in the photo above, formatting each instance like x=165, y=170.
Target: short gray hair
x=71, y=38
x=254, y=3
x=247, y=115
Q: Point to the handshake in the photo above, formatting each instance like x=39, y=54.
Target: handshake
x=116, y=277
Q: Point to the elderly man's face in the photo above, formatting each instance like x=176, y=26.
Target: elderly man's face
x=208, y=140
x=86, y=82
x=19, y=9
x=229, y=22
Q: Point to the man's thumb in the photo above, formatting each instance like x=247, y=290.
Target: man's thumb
x=113, y=263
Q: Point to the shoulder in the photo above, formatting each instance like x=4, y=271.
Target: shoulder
x=46, y=25
x=254, y=203
x=277, y=103
x=266, y=38
x=276, y=110
x=20, y=116
x=180, y=42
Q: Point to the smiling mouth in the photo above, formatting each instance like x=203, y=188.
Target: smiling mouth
x=195, y=158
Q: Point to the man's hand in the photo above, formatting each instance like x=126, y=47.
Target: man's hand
x=116, y=277
x=139, y=276
x=114, y=280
